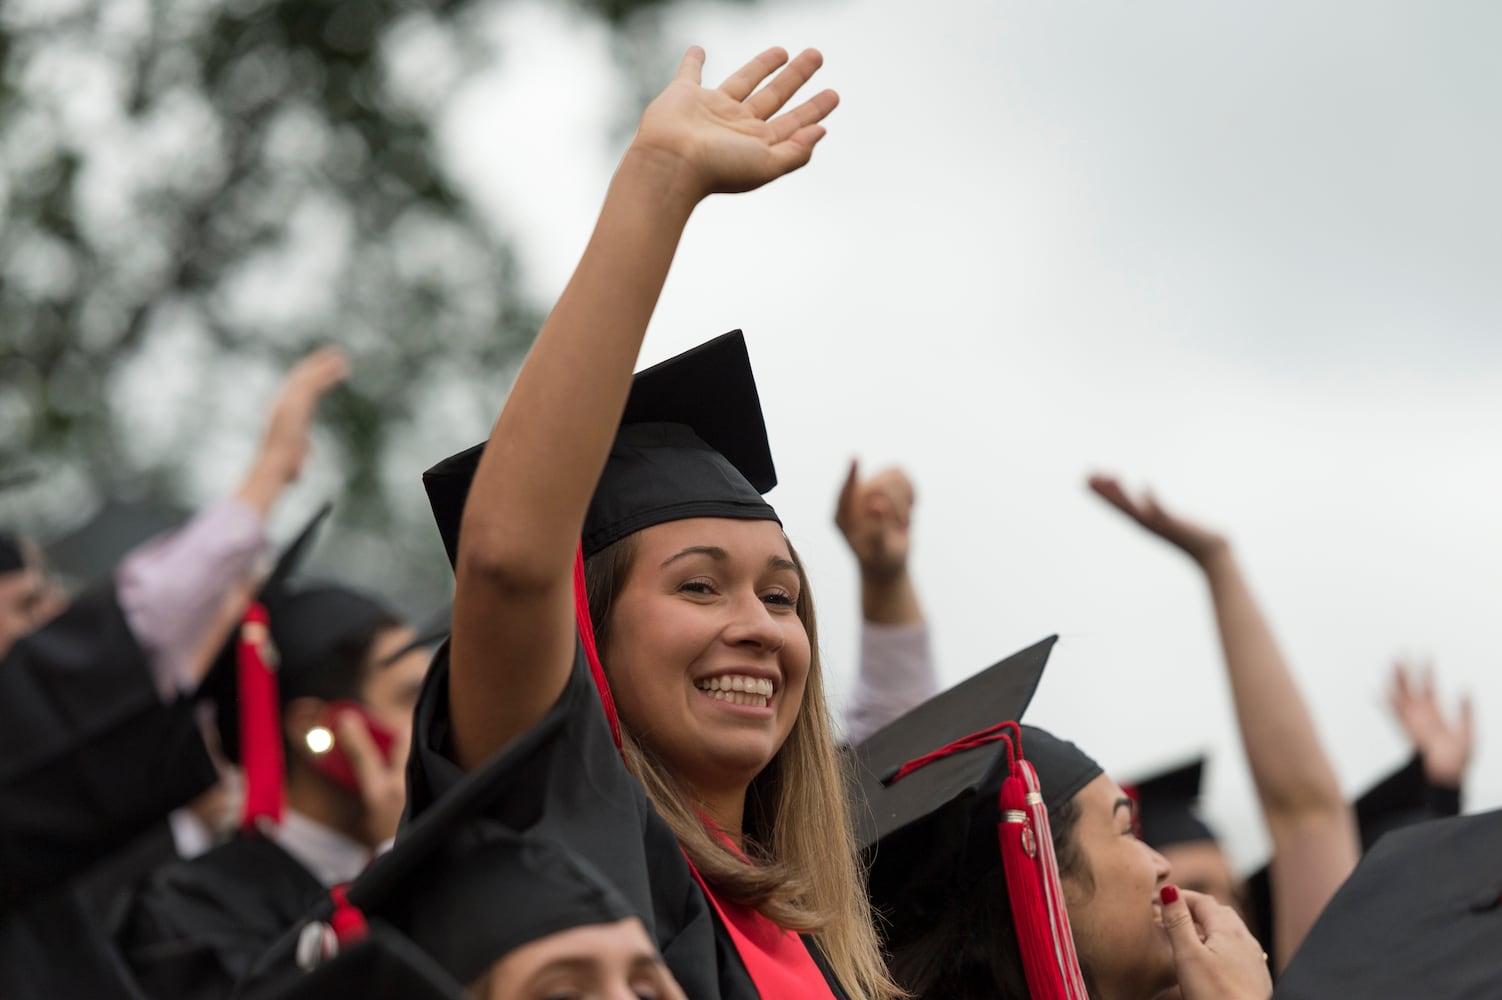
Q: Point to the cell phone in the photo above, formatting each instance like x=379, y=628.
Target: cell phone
x=323, y=740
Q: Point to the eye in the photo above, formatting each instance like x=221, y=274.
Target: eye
x=696, y=586
x=780, y=598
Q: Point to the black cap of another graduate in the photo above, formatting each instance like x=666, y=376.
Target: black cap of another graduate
x=1168, y=803
x=385, y=964
x=692, y=443
x=934, y=830
x=466, y=890
x=311, y=626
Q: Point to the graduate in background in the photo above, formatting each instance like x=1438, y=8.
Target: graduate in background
x=347, y=677
x=99, y=737
x=1315, y=842
x=28, y=598
x=895, y=671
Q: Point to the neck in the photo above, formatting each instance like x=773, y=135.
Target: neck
x=326, y=802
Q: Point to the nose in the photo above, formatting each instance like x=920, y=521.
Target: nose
x=753, y=625
x=1161, y=867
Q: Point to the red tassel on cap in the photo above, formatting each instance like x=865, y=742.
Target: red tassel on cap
x=347, y=920
x=1032, y=871
x=260, y=721
x=587, y=636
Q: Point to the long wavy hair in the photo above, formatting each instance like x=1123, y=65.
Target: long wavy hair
x=801, y=866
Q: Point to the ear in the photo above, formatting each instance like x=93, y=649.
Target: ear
x=300, y=716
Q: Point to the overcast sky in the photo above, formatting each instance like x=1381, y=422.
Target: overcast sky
x=1245, y=253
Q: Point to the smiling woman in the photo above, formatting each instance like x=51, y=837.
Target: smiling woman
x=691, y=758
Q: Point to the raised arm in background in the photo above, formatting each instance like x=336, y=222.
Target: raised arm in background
x=1444, y=746
x=1313, y=829
x=896, y=667
x=513, y=638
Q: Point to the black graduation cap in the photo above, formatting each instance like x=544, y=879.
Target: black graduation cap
x=1167, y=804
x=1421, y=916
x=466, y=889
x=934, y=830
x=692, y=443
x=92, y=549
x=430, y=633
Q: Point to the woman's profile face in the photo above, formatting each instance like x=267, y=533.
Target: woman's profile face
x=1117, y=923
x=597, y=962
x=706, y=653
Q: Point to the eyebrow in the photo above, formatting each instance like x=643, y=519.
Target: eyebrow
x=718, y=554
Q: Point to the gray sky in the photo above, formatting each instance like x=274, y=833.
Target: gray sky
x=1245, y=253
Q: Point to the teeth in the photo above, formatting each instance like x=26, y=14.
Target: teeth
x=757, y=688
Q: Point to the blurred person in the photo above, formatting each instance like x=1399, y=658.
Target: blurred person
x=895, y=670
x=1003, y=863
x=1312, y=827
x=99, y=734
x=689, y=753
x=348, y=673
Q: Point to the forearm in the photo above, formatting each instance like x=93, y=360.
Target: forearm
x=547, y=449
x=890, y=600
x=895, y=675
x=1288, y=764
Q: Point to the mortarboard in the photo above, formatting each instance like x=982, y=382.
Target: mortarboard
x=385, y=964
x=462, y=888
x=92, y=549
x=692, y=443
x=1420, y=916
x=945, y=803
x=1167, y=804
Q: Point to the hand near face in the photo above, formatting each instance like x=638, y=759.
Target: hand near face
x=1444, y=745
x=383, y=783
x=1198, y=542
x=729, y=139
x=1217, y=958
x=875, y=516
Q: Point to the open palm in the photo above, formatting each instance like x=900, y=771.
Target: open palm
x=726, y=139
x=1199, y=542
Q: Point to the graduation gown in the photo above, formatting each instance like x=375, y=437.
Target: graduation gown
x=90, y=755
x=565, y=780
x=197, y=927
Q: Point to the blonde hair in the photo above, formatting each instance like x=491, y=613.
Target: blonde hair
x=801, y=867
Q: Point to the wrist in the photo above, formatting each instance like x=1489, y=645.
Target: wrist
x=662, y=177
x=891, y=600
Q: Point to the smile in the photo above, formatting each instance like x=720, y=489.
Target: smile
x=738, y=689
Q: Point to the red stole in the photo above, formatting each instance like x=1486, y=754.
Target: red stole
x=776, y=959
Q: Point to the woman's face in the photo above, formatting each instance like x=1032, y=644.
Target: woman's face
x=597, y=962
x=706, y=653
x=1117, y=922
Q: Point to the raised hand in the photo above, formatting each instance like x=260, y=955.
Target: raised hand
x=875, y=515
x=1445, y=746
x=726, y=139
x=285, y=443
x=1217, y=958
x=1200, y=543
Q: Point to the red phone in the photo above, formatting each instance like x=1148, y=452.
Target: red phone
x=331, y=759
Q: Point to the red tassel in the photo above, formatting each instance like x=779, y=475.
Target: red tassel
x=260, y=721
x=347, y=920
x=587, y=636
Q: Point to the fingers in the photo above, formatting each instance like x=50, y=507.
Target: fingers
x=1109, y=489
x=1178, y=922
x=360, y=747
x=1209, y=916
x=804, y=119
x=320, y=371
x=769, y=99
x=744, y=80
x=844, y=509
x=1467, y=731
x=691, y=66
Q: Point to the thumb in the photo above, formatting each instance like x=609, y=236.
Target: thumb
x=360, y=747
x=1179, y=923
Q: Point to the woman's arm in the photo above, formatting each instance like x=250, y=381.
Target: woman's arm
x=513, y=637
x=1312, y=827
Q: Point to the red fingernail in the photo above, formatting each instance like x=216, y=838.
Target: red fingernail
x=1169, y=895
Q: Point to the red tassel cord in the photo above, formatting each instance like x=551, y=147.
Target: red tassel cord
x=587, y=637
x=1025, y=842
x=260, y=721
x=347, y=920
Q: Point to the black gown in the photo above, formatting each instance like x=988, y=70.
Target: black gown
x=564, y=780
x=91, y=759
x=197, y=927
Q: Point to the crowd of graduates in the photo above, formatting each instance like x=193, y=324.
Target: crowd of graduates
x=609, y=767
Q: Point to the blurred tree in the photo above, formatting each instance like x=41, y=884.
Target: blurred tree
x=221, y=184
